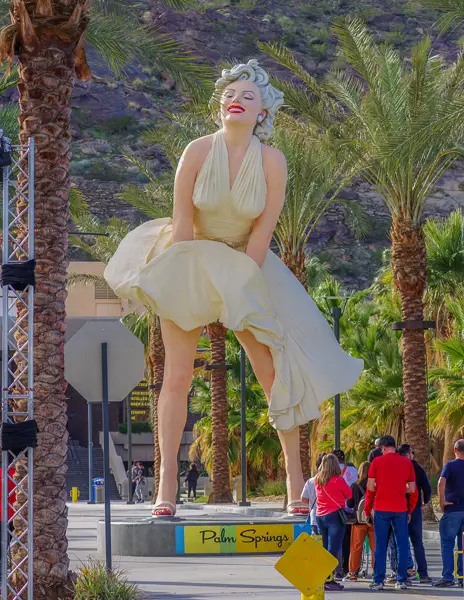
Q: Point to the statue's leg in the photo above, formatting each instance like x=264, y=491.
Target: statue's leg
x=180, y=348
x=261, y=361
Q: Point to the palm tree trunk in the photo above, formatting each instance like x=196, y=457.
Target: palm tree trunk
x=45, y=87
x=409, y=265
x=156, y=352
x=220, y=416
x=47, y=36
x=297, y=265
x=450, y=439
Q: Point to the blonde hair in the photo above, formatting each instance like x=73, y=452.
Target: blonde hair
x=363, y=471
x=330, y=467
x=271, y=98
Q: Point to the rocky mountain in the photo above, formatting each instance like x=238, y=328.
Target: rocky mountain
x=109, y=114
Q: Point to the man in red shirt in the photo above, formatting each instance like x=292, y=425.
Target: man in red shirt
x=392, y=493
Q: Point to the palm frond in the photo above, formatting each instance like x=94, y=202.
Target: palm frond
x=78, y=204
x=9, y=79
x=280, y=53
x=356, y=217
x=119, y=39
x=85, y=279
x=138, y=324
x=453, y=13
x=9, y=114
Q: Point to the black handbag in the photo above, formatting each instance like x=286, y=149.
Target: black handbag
x=347, y=515
x=5, y=156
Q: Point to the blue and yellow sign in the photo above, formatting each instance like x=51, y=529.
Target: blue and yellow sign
x=233, y=539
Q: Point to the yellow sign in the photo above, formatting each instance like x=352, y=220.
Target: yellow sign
x=140, y=403
x=264, y=538
x=230, y=539
x=306, y=564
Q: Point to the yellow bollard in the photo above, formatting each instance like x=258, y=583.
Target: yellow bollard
x=319, y=595
x=456, y=555
x=75, y=494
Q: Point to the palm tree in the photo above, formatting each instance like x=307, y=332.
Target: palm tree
x=399, y=126
x=219, y=416
x=49, y=37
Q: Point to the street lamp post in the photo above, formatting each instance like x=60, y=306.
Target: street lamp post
x=337, y=312
x=130, y=499
x=243, y=465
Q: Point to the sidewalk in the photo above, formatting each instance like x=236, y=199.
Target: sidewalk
x=229, y=577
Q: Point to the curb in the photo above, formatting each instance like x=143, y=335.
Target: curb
x=431, y=535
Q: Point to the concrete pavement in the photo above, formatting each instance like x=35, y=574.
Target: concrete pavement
x=213, y=577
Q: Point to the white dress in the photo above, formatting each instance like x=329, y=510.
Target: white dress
x=211, y=279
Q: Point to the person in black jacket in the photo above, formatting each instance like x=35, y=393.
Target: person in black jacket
x=192, y=480
x=415, y=525
x=377, y=451
x=360, y=530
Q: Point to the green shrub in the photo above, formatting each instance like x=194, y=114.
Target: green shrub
x=121, y=124
x=319, y=50
x=289, y=30
x=105, y=171
x=137, y=427
x=274, y=488
x=201, y=500
x=365, y=12
x=80, y=167
x=95, y=582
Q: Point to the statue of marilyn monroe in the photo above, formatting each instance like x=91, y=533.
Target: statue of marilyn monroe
x=211, y=262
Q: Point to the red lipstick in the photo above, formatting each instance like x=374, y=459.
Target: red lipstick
x=235, y=109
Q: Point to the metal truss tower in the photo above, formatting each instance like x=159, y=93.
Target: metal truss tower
x=18, y=377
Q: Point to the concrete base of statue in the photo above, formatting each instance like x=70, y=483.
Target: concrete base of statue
x=204, y=530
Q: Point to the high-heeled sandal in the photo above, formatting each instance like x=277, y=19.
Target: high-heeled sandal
x=297, y=508
x=164, y=509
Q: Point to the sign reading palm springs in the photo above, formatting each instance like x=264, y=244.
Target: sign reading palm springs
x=231, y=539
x=140, y=403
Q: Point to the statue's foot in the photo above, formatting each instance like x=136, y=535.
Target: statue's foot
x=164, y=509
x=297, y=508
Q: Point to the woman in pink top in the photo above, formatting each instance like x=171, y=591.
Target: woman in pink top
x=331, y=494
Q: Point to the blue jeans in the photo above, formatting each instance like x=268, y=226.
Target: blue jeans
x=382, y=522
x=415, y=534
x=451, y=527
x=332, y=530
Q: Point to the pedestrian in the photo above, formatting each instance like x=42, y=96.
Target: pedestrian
x=331, y=495
x=391, y=492
x=348, y=470
x=192, y=480
x=308, y=496
x=134, y=472
x=451, y=494
x=139, y=483
x=350, y=475
x=377, y=451
x=364, y=526
x=424, y=490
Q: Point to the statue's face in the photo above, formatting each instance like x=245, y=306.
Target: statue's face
x=241, y=103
